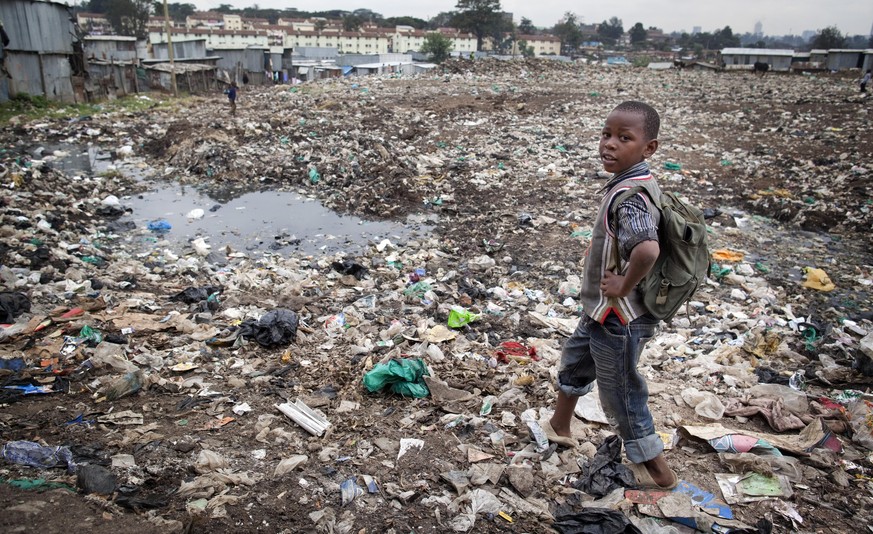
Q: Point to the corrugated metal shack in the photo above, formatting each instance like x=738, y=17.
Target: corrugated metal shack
x=112, y=63
x=191, y=76
x=189, y=49
x=195, y=71
x=745, y=58
x=839, y=59
x=37, y=58
x=252, y=61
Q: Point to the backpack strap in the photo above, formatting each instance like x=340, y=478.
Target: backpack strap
x=613, y=209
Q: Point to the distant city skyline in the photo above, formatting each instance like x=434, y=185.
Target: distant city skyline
x=777, y=17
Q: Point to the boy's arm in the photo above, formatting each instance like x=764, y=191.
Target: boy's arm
x=642, y=258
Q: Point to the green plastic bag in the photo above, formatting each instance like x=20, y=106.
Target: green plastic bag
x=91, y=335
x=405, y=377
x=459, y=317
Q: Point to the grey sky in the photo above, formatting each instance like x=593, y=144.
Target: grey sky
x=778, y=17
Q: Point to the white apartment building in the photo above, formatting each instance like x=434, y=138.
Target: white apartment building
x=542, y=44
x=408, y=39
x=344, y=42
x=214, y=38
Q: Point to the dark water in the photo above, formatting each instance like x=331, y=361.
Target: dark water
x=259, y=221
x=254, y=221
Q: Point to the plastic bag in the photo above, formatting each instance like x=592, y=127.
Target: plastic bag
x=35, y=455
x=12, y=304
x=405, y=377
x=277, y=327
x=128, y=384
x=459, y=317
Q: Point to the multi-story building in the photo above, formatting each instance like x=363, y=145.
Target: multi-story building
x=462, y=42
x=215, y=38
x=205, y=19
x=233, y=22
x=344, y=42
x=407, y=39
x=543, y=45
x=93, y=23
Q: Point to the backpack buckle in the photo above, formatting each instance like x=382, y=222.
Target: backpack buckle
x=662, y=292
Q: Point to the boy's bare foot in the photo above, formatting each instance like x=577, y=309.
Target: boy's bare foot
x=655, y=473
x=561, y=437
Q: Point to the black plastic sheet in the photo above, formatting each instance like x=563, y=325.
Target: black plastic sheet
x=277, y=327
x=605, y=472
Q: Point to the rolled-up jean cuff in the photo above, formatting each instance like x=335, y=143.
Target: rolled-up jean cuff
x=643, y=449
x=571, y=391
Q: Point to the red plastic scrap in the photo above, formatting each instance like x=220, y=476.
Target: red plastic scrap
x=75, y=312
x=516, y=351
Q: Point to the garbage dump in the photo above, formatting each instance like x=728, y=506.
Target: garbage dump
x=191, y=386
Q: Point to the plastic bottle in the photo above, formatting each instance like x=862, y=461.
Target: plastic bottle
x=797, y=381
x=487, y=405
x=124, y=386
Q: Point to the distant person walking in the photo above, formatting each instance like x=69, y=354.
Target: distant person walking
x=231, y=96
x=865, y=80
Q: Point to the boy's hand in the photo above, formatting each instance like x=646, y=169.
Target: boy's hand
x=612, y=285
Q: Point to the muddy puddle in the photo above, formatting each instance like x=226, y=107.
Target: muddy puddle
x=254, y=221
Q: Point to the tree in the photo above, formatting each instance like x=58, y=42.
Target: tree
x=438, y=46
x=526, y=27
x=828, y=38
x=224, y=8
x=97, y=6
x=352, y=23
x=130, y=17
x=479, y=17
x=526, y=51
x=638, y=33
x=178, y=12
x=611, y=31
x=418, y=24
x=568, y=31
x=726, y=38
x=442, y=20
x=368, y=15
x=320, y=25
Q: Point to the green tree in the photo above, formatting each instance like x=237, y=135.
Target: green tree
x=97, y=6
x=726, y=38
x=524, y=49
x=418, y=24
x=526, y=27
x=479, y=17
x=438, y=46
x=320, y=25
x=568, y=31
x=638, y=33
x=610, y=31
x=177, y=12
x=225, y=8
x=130, y=17
x=828, y=38
x=352, y=23
x=368, y=15
x=442, y=20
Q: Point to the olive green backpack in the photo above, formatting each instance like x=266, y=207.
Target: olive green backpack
x=683, y=263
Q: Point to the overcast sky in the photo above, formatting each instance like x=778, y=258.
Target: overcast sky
x=778, y=17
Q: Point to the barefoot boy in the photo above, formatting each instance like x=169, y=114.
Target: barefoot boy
x=606, y=345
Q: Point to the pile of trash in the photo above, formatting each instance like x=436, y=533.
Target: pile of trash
x=404, y=387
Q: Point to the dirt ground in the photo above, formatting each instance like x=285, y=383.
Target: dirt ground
x=504, y=157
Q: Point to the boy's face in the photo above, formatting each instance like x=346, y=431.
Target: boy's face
x=623, y=142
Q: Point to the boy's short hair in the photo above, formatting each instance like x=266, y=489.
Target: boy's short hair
x=651, y=119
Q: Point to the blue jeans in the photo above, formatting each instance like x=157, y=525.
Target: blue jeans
x=609, y=353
